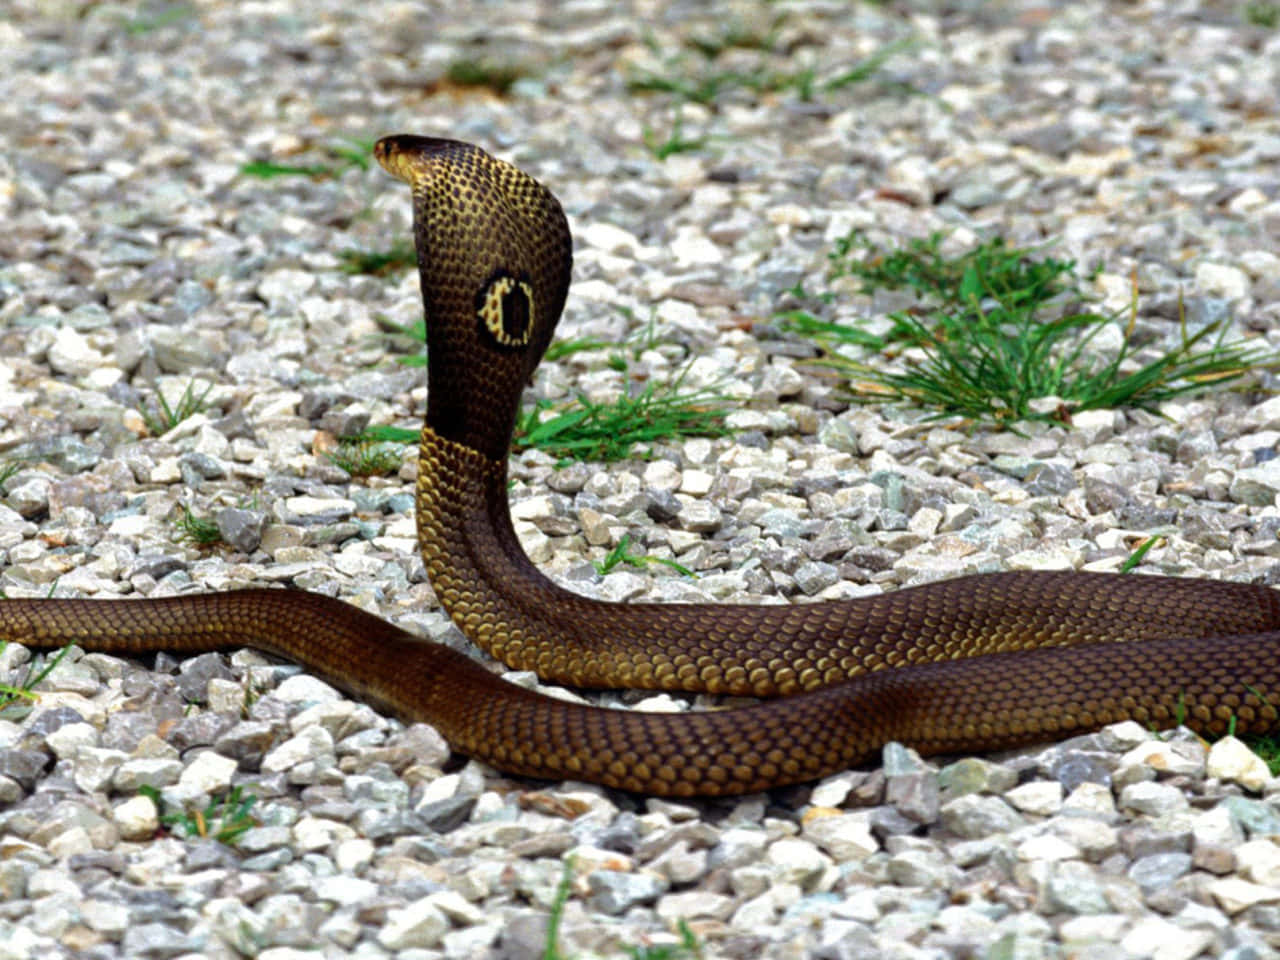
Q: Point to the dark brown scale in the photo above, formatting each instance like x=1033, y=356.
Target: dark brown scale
x=1004, y=659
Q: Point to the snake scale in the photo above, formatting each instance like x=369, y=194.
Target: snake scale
x=967, y=664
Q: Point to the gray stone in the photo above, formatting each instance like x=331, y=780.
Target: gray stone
x=972, y=816
x=1159, y=871
x=242, y=529
x=1075, y=888
x=614, y=892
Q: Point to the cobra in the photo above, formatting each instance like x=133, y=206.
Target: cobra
x=967, y=664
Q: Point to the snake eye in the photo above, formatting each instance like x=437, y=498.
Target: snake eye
x=505, y=309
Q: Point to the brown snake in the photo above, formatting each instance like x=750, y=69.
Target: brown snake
x=981, y=658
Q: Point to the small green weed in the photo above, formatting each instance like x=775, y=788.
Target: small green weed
x=385, y=433
x=498, y=77
x=379, y=263
x=676, y=141
x=1016, y=277
x=993, y=338
x=160, y=417
x=1268, y=748
x=551, y=951
x=268, y=170
x=24, y=690
x=1265, y=13
x=9, y=469
x=200, y=531
x=415, y=334
x=1135, y=558
x=224, y=820
x=621, y=554
x=166, y=14
x=362, y=456
x=608, y=431
x=353, y=154
x=706, y=86
x=868, y=68
x=565, y=348
x=687, y=949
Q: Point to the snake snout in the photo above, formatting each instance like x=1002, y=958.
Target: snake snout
x=409, y=157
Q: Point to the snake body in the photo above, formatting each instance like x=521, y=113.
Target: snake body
x=969, y=664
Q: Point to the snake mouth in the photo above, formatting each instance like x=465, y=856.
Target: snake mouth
x=406, y=156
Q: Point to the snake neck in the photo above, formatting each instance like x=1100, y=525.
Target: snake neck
x=499, y=600
x=480, y=574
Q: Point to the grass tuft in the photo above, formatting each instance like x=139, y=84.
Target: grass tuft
x=1001, y=330
x=165, y=15
x=585, y=430
x=363, y=456
x=224, y=820
x=9, y=469
x=200, y=531
x=349, y=155
x=1263, y=13
x=414, y=353
x=160, y=417
x=398, y=257
x=675, y=141
x=621, y=555
x=23, y=691
x=495, y=76
x=705, y=85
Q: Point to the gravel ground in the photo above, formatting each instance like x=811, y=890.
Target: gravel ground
x=137, y=257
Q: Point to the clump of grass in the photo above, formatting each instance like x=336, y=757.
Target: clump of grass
x=705, y=86
x=1268, y=748
x=675, y=141
x=194, y=529
x=701, y=88
x=364, y=456
x=160, y=417
x=565, y=348
x=993, y=338
x=585, y=430
x=414, y=333
x=621, y=554
x=9, y=469
x=23, y=691
x=165, y=14
x=353, y=154
x=385, y=433
x=496, y=76
x=1014, y=276
x=379, y=263
x=223, y=819
x=1265, y=13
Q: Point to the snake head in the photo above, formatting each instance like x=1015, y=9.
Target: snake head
x=494, y=255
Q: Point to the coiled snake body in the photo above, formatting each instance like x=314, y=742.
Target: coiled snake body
x=973, y=663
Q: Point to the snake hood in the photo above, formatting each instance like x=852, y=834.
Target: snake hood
x=494, y=256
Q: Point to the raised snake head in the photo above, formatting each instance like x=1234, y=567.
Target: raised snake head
x=494, y=257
